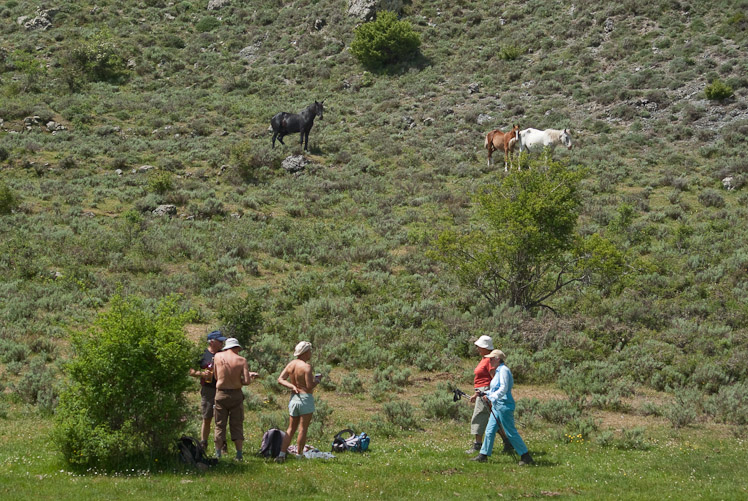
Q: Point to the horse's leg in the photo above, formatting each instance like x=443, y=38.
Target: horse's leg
x=280, y=138
x=275, y=134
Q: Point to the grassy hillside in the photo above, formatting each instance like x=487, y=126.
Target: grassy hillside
x=337, y=254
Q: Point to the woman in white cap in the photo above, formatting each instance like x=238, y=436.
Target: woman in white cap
x=501, y=401
x=481, y=382
x=297, y=377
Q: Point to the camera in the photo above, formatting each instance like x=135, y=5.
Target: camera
x=481, y=394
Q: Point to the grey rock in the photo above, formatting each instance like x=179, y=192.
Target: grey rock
x=366, y=10
x=295, y=163
x=165, y=210
x=727, y=183
x=473, y=88
x=483, y=118
x=217, y=4
x=145, y=168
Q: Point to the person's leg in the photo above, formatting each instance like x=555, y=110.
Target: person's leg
x=205, y=430
x=507, y=421
x=236, y=422
x=221, y=415
x=489, y=437
x=304, y=425
x=293, y=423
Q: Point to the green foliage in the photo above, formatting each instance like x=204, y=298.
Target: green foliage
x=96, y=59
x=351, y=383
x=207, y=23
x=8, y=199
x=126, y=399
x=718, y=91
x=730, y=405
x=441, y=405
x=161, y=182
x=524, y=247
x=384, y=41
x=242, y=318
x=510, y=52
x=400, y=413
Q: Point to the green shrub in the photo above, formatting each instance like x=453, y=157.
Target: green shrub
x=633, y=439
x=8, y=199
x=510, y=52
x=242, y=318
x=400, y=414
x=730, y=405
x=97, y=59
x=684, y=411
x=384, y=40
x=711, y=198
x=351, y=383
x=441, y=405
x=4, y=154
x=126, y=400
x=718, y=90
x=161, y=182
x=208, y=23
x=558, y=411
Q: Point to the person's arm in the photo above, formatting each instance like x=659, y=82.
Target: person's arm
x=282, y=379
x=246, y=378
x=501, y=389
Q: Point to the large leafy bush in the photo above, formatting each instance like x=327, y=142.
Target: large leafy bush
x=384, y=40
x=125, y=401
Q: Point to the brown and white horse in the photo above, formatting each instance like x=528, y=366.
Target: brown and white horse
x=502, y=141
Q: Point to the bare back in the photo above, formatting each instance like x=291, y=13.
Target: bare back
x=299, y=374
x=231, y=370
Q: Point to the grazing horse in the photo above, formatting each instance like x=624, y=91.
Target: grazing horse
x=286, y=123
x=502, y=141
x=532, y=140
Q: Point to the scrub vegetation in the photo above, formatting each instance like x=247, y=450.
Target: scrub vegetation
x=119, y=108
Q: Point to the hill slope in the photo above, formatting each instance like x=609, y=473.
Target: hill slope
x=337, y=253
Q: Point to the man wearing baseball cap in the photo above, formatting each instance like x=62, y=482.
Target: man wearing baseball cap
x=208, y=383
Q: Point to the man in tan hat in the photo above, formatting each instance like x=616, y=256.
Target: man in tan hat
x=231, y=373
x=297, y=377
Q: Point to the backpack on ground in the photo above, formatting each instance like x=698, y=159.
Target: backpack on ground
x=192, y=453
x=272, y=441
x=355, y=443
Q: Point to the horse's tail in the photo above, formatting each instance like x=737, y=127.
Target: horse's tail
x=489, y=140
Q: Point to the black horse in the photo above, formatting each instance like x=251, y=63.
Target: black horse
x=285, y=123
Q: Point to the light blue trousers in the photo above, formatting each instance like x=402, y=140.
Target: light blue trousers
x=506, y=416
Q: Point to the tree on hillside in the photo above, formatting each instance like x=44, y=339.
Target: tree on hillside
x=128, y=376
x=523, y=247
x=384, y=40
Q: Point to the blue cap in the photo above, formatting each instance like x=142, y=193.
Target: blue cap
x=217, y=335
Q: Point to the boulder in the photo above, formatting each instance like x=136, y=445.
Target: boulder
x=366, y=10
x=217, y=4
x=728, y=183
x=295, y=163
x=165, y=210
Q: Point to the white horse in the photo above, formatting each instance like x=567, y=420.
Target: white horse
x=532, y=140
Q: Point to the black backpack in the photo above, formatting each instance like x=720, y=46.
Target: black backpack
x=355, y=443
x=272, y=441
x=192, y=453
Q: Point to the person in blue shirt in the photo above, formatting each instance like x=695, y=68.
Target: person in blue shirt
x=499, y=397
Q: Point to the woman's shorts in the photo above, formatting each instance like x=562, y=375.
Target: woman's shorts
x=481, y=413
x=301, y=404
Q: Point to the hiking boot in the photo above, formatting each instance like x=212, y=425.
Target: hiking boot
x=481, y=458
x=526, y=459
x=239, y=456
x=475, y=448
x=280, y=459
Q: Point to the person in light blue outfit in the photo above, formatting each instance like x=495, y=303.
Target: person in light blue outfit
x=499, y=397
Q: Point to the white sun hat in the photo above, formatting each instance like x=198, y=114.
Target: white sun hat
x=302, y=348
x=484, y=342
x=231, y=342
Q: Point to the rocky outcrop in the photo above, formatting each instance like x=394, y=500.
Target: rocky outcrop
x=366, y=10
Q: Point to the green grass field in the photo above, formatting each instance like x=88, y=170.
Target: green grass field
x=704, y=461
